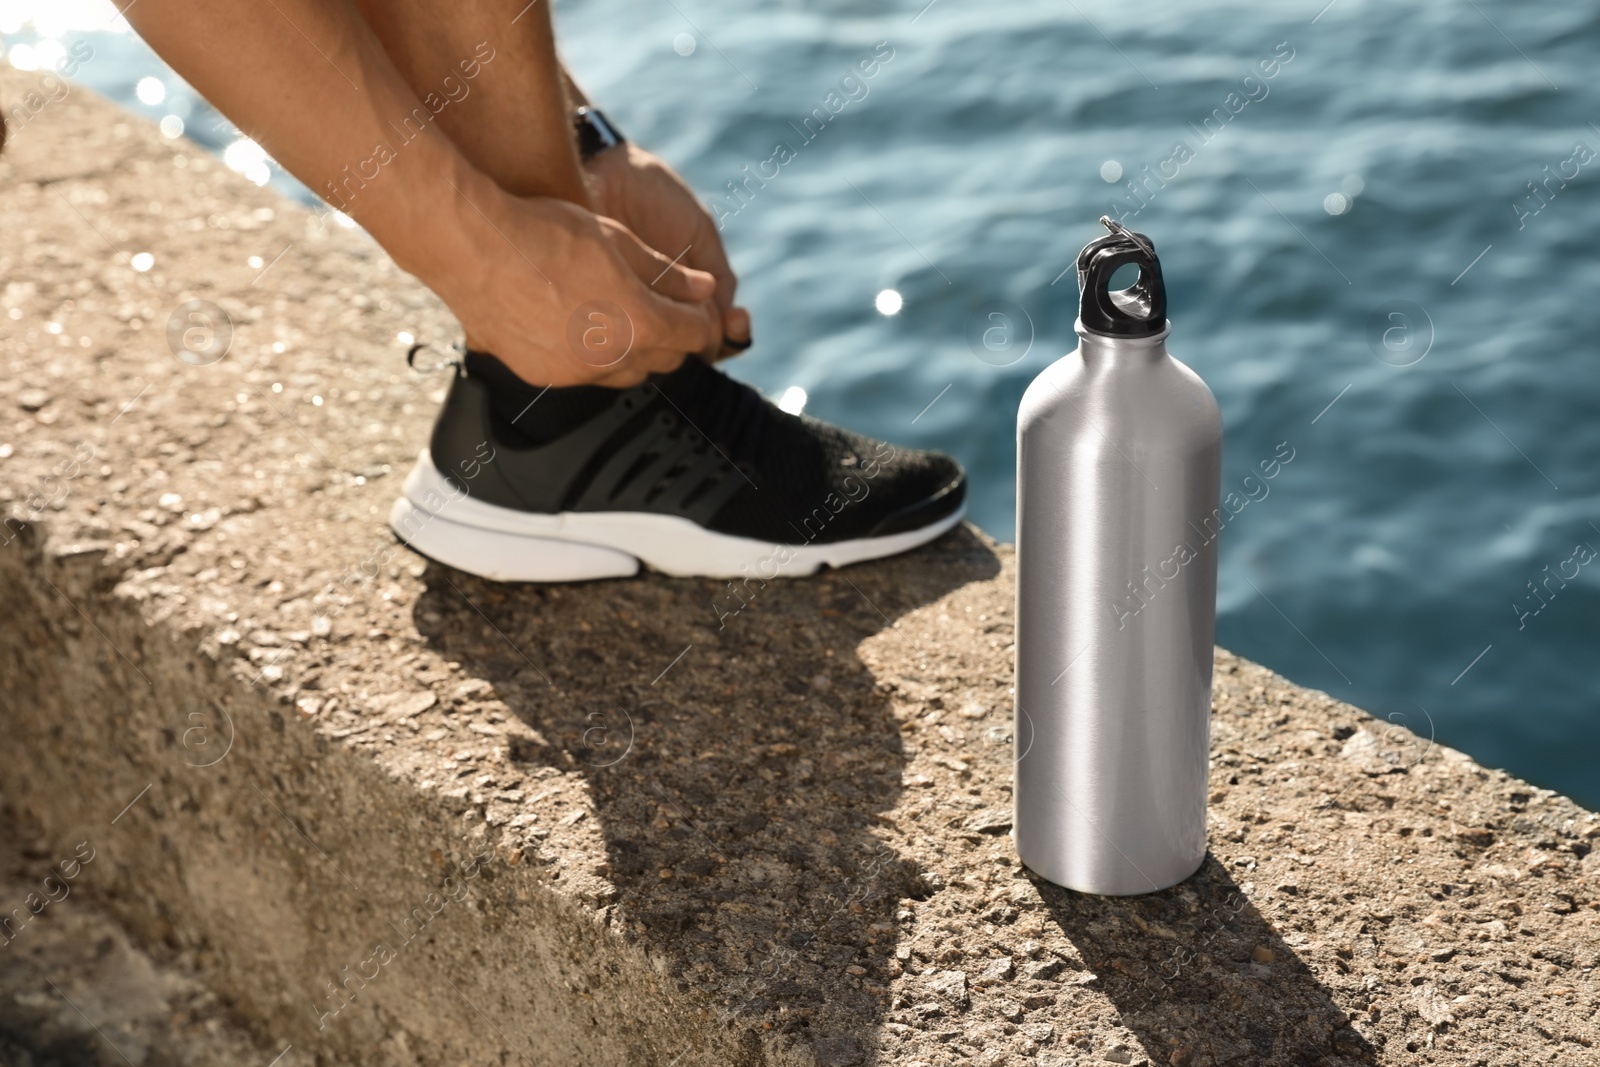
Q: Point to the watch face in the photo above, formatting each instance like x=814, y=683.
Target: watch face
x=594, y=133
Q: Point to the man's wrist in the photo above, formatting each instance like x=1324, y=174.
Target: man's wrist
x=432, y=216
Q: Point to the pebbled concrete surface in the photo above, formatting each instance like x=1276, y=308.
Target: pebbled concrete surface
x=388, y=813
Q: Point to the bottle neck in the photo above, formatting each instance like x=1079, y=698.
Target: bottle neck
x=1104, y=349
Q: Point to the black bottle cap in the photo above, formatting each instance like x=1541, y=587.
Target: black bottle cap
x=1137, y=311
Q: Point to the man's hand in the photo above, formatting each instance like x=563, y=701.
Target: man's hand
x=566, y=297
x=647, y=196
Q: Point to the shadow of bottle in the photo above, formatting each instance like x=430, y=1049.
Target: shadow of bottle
x=1201, y=978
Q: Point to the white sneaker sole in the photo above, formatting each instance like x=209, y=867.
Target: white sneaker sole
x=437, y=519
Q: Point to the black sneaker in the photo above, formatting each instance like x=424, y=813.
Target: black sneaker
x=691, y=473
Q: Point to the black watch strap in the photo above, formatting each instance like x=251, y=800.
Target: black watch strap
x=595, y=132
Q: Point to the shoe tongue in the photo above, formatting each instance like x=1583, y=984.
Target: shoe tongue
x=726, y=411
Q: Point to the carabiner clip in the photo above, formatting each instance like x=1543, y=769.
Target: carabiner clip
x=1122, y=231
x=434, y=368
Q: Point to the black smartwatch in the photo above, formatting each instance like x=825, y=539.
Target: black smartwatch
x=594, y=132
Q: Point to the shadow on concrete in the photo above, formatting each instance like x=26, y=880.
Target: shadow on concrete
x=1201, y=978
x=738, y=753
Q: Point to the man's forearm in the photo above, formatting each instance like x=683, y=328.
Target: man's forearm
x=309, y=81
x=575, y=94
x=512, y=123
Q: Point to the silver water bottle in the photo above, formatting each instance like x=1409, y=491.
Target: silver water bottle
x=1119, y=453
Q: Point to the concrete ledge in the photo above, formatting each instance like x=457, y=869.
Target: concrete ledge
x=390, y=814
x=75, y=992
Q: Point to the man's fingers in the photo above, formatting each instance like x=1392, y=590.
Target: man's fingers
x=709, y=255
x=735, y=335
x=685, y=284
x=677, y=327
x=661, y=273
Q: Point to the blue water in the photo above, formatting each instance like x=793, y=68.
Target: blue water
x=1389, y=562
